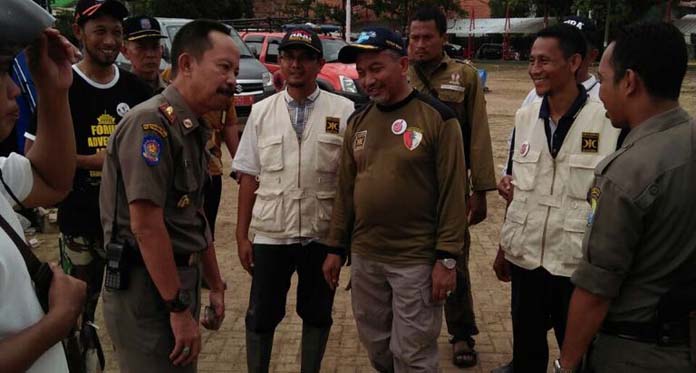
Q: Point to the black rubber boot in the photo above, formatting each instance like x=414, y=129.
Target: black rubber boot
x=258, y=347
x=313, y=347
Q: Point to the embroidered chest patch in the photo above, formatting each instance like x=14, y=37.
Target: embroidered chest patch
x=590, y=142
x=412, y=138
x=332, y=125
x=359, y=141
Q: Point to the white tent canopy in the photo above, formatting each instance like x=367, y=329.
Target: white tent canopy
x=484, y=26
x=686, y=24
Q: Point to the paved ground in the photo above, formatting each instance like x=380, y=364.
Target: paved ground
x=224, y=351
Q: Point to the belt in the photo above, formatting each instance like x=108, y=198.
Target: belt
x=664, y=334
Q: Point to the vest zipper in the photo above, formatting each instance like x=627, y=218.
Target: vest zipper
x=548, y=212
x=299, y=174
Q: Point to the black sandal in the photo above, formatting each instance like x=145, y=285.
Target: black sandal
x=463, y=353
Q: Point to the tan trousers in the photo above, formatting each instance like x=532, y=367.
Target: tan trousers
x=397, y=322
x=138, y=324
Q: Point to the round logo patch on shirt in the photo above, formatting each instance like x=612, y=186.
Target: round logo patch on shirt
x=122, y=109
x=151, y=149
x=399, y=126
x=524, y=149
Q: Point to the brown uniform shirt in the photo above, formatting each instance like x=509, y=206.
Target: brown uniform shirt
x=641, y=241
x=157, y=153
x=401, y=190
x=456, y=83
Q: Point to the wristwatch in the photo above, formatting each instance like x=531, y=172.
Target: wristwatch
x=558, y=369
x=180, y=303
x=449, y=263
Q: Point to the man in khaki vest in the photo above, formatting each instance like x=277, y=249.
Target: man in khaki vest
x=457, y=85
x=556, y=145
x=287, y=160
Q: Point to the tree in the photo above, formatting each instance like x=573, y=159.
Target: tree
x=398, y=12
x=213, y=9
x=517, y=8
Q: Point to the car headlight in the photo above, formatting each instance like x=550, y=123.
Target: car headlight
x=347, y=84
x=267, y=79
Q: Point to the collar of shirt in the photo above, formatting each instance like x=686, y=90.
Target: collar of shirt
x=182, y=110
x=430, y=68
x=398, y=105
x=590, y=83
x=310, y=99
x=657, y=123
x=556, y=135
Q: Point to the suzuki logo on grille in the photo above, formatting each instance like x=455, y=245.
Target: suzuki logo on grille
x=238, y=88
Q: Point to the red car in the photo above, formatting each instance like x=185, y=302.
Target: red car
x=334, y=77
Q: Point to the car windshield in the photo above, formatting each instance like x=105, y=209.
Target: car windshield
x=331, y=48
x=244, y=51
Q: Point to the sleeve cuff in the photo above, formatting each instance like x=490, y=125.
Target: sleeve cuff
x=442, y=254
x=597, y=280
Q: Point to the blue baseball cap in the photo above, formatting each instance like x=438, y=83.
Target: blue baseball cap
x=370, y=40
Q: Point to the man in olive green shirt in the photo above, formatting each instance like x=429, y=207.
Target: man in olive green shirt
x=640, y=246
x=457, y=85
x=400, y=208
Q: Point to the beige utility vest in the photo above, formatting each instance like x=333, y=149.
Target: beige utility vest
x=546, y=221
x=298, y=178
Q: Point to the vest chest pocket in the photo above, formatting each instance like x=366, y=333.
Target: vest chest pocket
x=328, y=152
x=524, y=169
x=581, y=174
x=271, y=153
x=267, y=214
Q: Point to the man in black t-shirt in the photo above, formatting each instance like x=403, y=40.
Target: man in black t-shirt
x=99, y=97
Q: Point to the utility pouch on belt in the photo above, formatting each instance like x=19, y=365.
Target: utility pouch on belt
x=116, y=276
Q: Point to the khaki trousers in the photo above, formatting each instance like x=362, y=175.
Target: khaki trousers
x=138, y=324
x=396, y=320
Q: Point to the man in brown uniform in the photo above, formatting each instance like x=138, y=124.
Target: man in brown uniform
x=152, y=202
x=400, y=208
x=456, y=84
x=635, y=284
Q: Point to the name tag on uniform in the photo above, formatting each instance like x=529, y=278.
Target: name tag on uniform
x=453, y=87
x=590, y=142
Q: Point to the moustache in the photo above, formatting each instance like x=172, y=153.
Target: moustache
x=226, y=91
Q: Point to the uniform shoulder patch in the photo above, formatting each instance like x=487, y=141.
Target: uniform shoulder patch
x=155, y=128
x=151, y=149
x=168, y=112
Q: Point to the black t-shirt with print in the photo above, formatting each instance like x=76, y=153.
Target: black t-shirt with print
x=96, y=109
